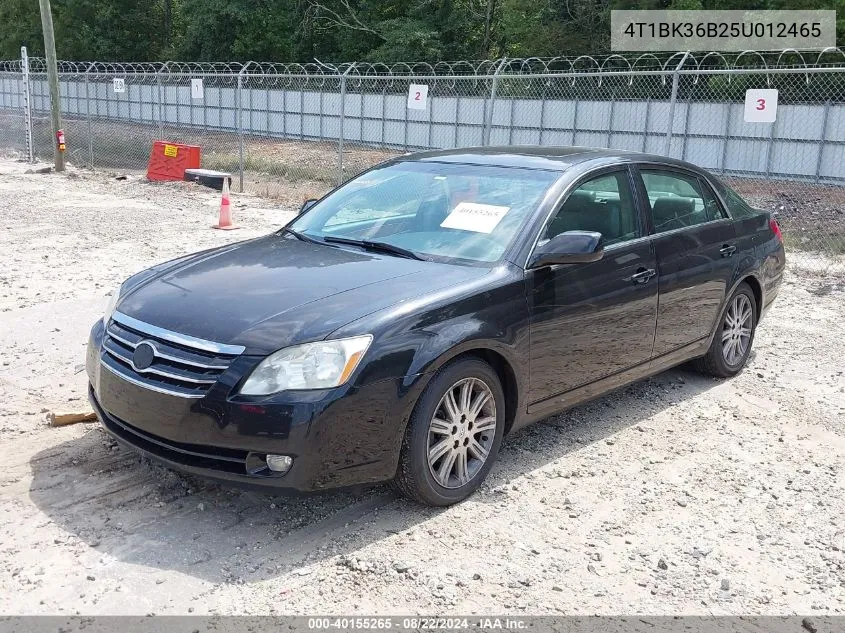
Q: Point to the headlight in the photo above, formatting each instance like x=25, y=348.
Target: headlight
x=112, y=304
x=319, y=365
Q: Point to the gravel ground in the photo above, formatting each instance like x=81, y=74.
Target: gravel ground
x=678, y=495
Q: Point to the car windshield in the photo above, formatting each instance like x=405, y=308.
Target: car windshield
x=445, y=211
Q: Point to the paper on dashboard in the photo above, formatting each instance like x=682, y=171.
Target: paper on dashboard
x=473, y=216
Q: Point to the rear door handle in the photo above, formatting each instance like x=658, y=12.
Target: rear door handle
x=643, y=275
x=727, y=250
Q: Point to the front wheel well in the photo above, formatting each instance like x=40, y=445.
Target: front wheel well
x=506, y=375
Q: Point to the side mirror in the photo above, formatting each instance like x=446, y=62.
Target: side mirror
x=570, y=247
x=307, y=205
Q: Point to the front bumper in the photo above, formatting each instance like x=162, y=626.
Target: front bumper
x=346, y=436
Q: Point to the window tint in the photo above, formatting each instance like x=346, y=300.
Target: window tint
x=738, y=207
x=603, y=204
x=678, y=201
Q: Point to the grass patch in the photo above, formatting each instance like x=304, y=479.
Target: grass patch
x=831, y=245
x=264, y=165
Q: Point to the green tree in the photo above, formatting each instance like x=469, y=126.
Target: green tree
x=20, y=25
x=337, y=30
x=239, y=30
x=108, y=30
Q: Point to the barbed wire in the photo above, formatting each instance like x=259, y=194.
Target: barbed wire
x=601, y=64
x=10, y=66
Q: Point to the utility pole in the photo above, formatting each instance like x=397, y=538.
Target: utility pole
x=53, y=81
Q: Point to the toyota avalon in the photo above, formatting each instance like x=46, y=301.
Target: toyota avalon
x=401, y=326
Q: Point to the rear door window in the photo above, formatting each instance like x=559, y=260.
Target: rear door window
x=678, y=200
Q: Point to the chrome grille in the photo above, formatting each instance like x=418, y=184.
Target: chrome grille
x=183, y=366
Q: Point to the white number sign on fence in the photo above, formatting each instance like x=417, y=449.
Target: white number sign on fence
x=761, y=105
x=119, y=84
x=197, y=91
x=417, y=96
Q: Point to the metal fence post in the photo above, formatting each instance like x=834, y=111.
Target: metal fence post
x=241, y=128
x=488, y=115
x=160, y=101
x=822, y=139
x=770, y=149
x=726, y=138
x=686, y=127
x=88, y=117
x=342, y=120
x=675, y=77
x=27, y=111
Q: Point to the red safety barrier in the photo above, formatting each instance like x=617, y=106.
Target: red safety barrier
x=168, y=161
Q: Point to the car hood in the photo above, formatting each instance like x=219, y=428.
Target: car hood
x=276, y=291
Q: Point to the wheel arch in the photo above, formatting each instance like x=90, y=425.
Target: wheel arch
x=507, y=377
x=501, y=364
x=757, y=289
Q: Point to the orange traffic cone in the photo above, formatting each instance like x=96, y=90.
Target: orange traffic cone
x=225, y=221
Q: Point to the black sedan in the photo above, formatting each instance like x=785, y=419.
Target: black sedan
x=402, y=325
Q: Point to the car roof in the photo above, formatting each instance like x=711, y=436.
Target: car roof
x=537, y=157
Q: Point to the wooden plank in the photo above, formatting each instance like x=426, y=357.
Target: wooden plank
x=64, y=419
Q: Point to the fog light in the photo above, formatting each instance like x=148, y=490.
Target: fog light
x=279, y=463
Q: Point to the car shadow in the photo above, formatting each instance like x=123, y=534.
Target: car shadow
x=143, y=514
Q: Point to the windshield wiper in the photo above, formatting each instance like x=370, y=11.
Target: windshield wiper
x=382, y=247
x=301, y=236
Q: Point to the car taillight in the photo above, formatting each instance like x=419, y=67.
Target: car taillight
x=773, y=224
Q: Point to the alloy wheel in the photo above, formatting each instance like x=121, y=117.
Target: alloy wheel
x=461, y=432
x=736, y=331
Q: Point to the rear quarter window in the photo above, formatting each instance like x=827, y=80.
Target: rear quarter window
x=737, y=207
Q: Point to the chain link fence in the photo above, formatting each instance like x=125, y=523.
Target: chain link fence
x=317, y=124
x=13, y=124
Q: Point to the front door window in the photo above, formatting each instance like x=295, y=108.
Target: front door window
x=603, y=204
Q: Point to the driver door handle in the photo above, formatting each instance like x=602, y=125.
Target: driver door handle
x=727, y=250
x=643, y=275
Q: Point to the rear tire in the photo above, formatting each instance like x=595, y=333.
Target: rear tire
x=453, y=436
x=732, y=341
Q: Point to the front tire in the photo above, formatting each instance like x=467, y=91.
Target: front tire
x=732, y=342
x=453, y=436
